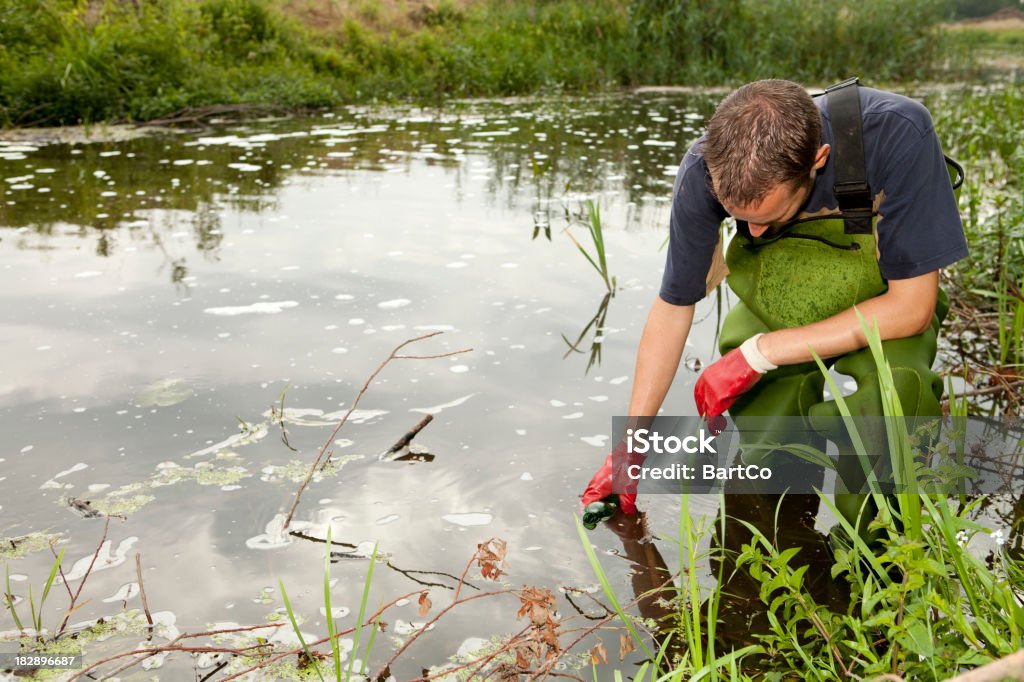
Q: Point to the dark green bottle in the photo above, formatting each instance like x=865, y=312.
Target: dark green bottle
x=602, y=510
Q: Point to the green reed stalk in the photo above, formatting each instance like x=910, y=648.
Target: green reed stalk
x=298, y=633
x=606, y=587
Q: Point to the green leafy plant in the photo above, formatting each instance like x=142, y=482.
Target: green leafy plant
x=313, y=658
x=35, y=610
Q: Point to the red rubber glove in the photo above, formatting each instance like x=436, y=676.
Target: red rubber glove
x=727, y=379
x=614, y=471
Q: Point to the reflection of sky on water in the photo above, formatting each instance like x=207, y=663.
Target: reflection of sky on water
x=368, y=239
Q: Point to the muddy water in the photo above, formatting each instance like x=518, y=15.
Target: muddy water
x=163, y=296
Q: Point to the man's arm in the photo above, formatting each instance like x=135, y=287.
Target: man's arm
x=657, y=357
x=904, y=310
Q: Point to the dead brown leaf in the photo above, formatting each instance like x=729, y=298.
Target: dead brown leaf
x=425, y=604
x=490, y=556
x=626, y=645
x=599, y=654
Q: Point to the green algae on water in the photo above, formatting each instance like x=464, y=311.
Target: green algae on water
x=17, y=547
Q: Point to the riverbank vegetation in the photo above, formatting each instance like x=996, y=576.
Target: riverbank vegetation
x=73, y=61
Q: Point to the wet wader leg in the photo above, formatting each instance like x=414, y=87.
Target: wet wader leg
x=780, y=395
x=919, y=389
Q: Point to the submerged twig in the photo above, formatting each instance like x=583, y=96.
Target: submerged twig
x=142, y=594
x=407, y=438
x=323, y=457
x=88, y=571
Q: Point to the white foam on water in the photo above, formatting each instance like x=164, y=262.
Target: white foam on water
x=556, y=403
x=458, y=369
x=434, y=328
x=344, y=297
x=104, y=559
x=276, y=536
x=618, y=380
x=260, y=308
x=533, y=548
x=384, y=520
x=403, y=628
x=357, y=416
x=245, y=167
x=457, y=264
x=437, y=409
x=597, y=441
x=232, y=441
x=469, y=519
x=126, y=592
x=471, y=646
x=356, y=321
x=339, y=612
x=527, y=476
x=598, y=398
x=574, y=415
x=520, y=432
x=87, y=274
x=97, y=487
x=509, y=266
x=77, y=467
x=394, y=303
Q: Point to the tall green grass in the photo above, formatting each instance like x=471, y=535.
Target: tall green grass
x=982, y=128
x=68, y=61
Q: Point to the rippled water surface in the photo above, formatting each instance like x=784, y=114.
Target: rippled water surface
x=165, y=297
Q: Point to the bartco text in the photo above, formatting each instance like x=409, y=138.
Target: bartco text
x=643, y=442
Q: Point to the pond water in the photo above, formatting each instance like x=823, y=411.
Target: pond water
x=162, y=296
x=187, y=315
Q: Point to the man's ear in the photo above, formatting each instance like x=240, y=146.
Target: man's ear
x=822, y=156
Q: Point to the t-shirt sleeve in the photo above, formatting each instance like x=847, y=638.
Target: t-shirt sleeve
x=919, y=229
x=693, y=233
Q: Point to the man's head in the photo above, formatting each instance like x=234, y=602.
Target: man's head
x=762, y=148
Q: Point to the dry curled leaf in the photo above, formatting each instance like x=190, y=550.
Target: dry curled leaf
x=626, y=645
x=490, y=556
x=538, y=604
x=425, y=604
x=598, y=654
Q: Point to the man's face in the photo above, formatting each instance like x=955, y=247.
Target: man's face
x=781, y=203
x=777, y=208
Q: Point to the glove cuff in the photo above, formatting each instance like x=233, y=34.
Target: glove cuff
x=754, y=357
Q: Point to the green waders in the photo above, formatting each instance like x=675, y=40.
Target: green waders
x=815, y=271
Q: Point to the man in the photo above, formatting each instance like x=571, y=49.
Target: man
x=810, y=246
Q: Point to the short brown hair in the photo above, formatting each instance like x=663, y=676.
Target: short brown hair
x=762, y=135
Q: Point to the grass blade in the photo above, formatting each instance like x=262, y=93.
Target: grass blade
x=607, y=588
x=295, y=626
x=335, y=648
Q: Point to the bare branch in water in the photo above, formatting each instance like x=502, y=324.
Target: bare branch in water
x=324, y=455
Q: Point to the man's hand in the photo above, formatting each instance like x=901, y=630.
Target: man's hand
x=727, y=379
x=602, y=484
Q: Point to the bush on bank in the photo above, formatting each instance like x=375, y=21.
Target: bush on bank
x=73, y=61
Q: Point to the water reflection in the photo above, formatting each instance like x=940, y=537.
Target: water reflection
x=161, y=294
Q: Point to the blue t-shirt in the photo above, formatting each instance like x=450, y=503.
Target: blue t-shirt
x=919, y=227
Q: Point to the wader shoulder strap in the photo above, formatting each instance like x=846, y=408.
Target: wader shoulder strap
x=851, y=186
